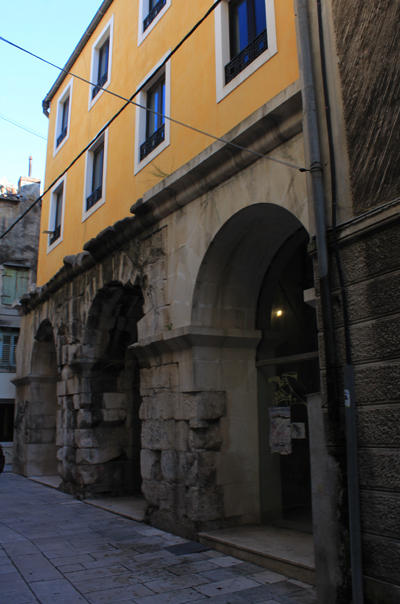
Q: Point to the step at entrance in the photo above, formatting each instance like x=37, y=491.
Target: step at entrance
x=280, y=550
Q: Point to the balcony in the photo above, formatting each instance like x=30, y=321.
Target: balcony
x=246, y=56
x=94, y=197
x=55, y=235
x=100, y=84
x=153, y=14
x=62, y=136
x=155, y=139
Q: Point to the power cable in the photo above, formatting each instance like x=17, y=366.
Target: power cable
x=22, y=127
x=175, y=121
x=130, y=102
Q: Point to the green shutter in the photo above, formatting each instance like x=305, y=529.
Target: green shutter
x=15, y=342
x=9, y=285
x=5, y=353
x=22, y=283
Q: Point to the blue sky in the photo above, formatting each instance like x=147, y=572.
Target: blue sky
x=50, y=29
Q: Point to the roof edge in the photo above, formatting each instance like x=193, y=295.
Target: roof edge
x=78, y=49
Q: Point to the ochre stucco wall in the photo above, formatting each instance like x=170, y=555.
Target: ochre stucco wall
x=193, y=101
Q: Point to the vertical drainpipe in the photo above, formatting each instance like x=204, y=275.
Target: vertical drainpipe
x=311, y=125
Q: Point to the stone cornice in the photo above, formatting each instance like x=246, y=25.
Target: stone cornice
x=191, y=336
x=274, y=123
x=31, y=378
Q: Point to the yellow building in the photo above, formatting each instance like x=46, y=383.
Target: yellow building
x=240, y=57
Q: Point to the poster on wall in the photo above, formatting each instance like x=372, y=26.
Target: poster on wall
x=280, y=430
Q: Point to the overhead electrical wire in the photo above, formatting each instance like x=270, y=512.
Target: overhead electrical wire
x=3, y=117
x=130, y=102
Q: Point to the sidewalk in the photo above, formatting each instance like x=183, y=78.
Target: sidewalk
x=55, y=549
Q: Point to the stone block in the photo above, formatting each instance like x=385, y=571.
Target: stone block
x=181, y=436
x=158, y=434
x=113, y=416
x=73, y=386
x=86, y=475
x=97, y=456
x=39, y=422
x=114, y=400
x=158, y=494
x=84, y=419
x=379, y=426
x=379, y=469
x=161, y=378
x=169, y=465
x=186, y=468
x=61, y=388
x=158, y=406
x=205, y=438
x=150, y=464
x=380, y=513
x=204, y=504
x=84, y=439
x=44, y=436
x=381, y=558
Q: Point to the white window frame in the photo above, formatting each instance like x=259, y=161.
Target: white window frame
x=67, y=92
x=52, y=210
x=103, y=139
x=222, y=48
x=107, y=32
x=140, y=129
x=143, y=12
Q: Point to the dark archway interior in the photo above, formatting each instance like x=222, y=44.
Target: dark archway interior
x=291, y=371
x=114, y=378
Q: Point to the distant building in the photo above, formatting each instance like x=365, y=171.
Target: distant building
x=18, y=264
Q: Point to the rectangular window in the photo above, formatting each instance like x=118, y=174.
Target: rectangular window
x=56, y=234
x=245, y=39
x=63, y=118
x=15, y=283
x=155, y=7
x=56, y=213
x=64, y=121
x=95, y=176
x=100, y=73
x=155, y=122
x=8, y=347
x=248, y=35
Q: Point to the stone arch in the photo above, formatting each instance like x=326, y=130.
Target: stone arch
x=106, y=450
x=232, y=271
x=37, y=409
x=240, y=269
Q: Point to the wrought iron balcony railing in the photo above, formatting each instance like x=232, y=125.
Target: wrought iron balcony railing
x=100, y=84
x=152, y=142
x=94, y=197
x=246, y=56
x=62, y=136
x=55, y=235
x=153, y=14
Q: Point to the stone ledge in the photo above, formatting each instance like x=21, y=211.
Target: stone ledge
x=276, y=122
x=192, y=335
x=34, y=379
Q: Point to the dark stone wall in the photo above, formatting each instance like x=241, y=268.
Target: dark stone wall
x=371, y=263
x=367, y=41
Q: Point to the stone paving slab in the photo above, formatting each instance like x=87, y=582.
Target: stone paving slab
x=55, y=549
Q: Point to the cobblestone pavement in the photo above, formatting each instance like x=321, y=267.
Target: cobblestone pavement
x=58, y=550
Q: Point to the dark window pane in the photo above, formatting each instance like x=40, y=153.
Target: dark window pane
x=103, y=59
x=155, y=102
x=260, y=16
x=97, y=168
x=64, y=122
x=58, y=209
x=6, y=422
x=152, y=4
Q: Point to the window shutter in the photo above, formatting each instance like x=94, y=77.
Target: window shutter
x=9, y=285
x=14, y=359
x=5, y=353
x=22, y=283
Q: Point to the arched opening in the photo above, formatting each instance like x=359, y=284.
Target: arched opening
x=288, y=371
x=252, y=284
x=41, y=420
x=108, y=461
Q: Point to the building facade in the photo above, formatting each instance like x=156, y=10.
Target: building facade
x=18, y=266
x=200, y=306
